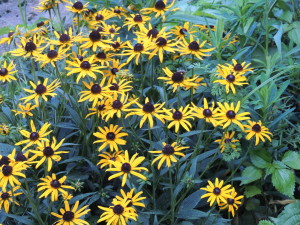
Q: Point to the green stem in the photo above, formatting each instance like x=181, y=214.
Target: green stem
x=173, y=200
x=153, y=169
x=22, y=13
x=33, y=71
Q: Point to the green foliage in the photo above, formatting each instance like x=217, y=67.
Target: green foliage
x=290, y=215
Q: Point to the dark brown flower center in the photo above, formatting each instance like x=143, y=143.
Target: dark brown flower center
x=80, y=57
x=118, y=209
x=148, y=107
x=64, y=38
x=117, y=104
x=7, y=170
x=55, y=184
x=4, y=160
x=160, y=5
x=99, y=17
x=117, y=11
x=101, y=107
x=116, y=45
x=114, y=87
x=30, y=46
x=20, y=157
x=96, y=89
x=177, y=77
x=256, y=128
x=207, y=113
x=138, y=47
x=194, y=46
x=238, y=67
x=152, y=33
x=101, y=55
x=85, y=65
x=95, y=36
x=52, y=54
x=34, y=136
x=230, y=114
x=10, y=34
x=168, y=150
x=183, y=31
x=126, y=167
x=230, y=201
x=40, y=89
x=177, y=115
x=138, y=18
x=217, y=191
x=5, y=196
x=161, y=41
x=78, y=5
x=3, y=72
x=48, y=151
x=227, y=140
x=110, y=136
x=114, y=71
x=68, y=216
x=112, y=30
x=40, y=24
x=230, y=78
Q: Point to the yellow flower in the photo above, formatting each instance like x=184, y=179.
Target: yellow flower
x=179, y=117
x=128, y=166
x=76, y=6
x=228, y=114
x=206, y=112
x=46, y=5
x=53, y=186
x=258, y=130
x=109, y=30
x=113, y=69
x=147, y=112
x=71, y=217
x=118, y=45
x=95, y=41
x=134, y=200
x=51, y=57
x=35, y=137
x=41, y=90
x=9, y=197
x=6, y=72
x=181, y=31
x=232, y=202
x=29, y=48
x=98, y=18
x=25, y=110
x=10, y=36
x=8, y=175
x=227, y=141
x=110, y=136
x=4, y=129
x=136, y=20
x=118, y=11
x=239, y=68
x=103, y=58
x=66, y=39
x=160, y=8
x=109, y=158
x=48, y=152
x=168, y=154
x=216, y=192
x=100, y=109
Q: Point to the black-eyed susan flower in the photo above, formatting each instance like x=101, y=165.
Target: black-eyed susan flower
x=118, y=11
x=83, y=68
x=118, y=214
x=46, y=5
x=179, y=117
x=239, y=68
x=100, y=109
x=168, y=154
x=228, y=114
x=178, y=79
x=109, y=157
x=258, y=130
x=216, y=192
x=95, y=41
x=51, y=57
x=110, y=30
x=118, y=45
x=128, y=166
x=4, y=129
x=9, y=174
x=19, y=157
x=206, y=112
x=231, y=79
x=52, y=185
x=227, y=140
x=7, y=198
x=7, y=72
x=232, y=203
x=117, y=106
x=35, y=137
x=76, y=6
x=71, y=217
x=147, y=112
x=110, y=136
x=136, y=20
x=160, y=8
x=11, y=34
x=206, y=28
x=119, y=87
x=182, y=31
x=40, y=29
x=135, y=199
x=41, y=90
x=103, y=58
x=113, y=69
x=29, y=48
x=150, y=33
x=137, y=50
x=66, y=39
x=193, y=48
x=95, y=93
x=99, y=17
x=25, y=110
x=48, y=152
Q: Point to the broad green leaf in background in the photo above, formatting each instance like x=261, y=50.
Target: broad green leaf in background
x=284, y=181
x=252, y=173
x=292, y=159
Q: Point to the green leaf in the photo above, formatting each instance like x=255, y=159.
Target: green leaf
x=265, y=222
x=82, y=196
x=251, y=173
x=261, y=158
x=290, y=215
x=21, y=219
x=251, y=191
x=277, y=38
x=292, y=159
x=284, y=181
